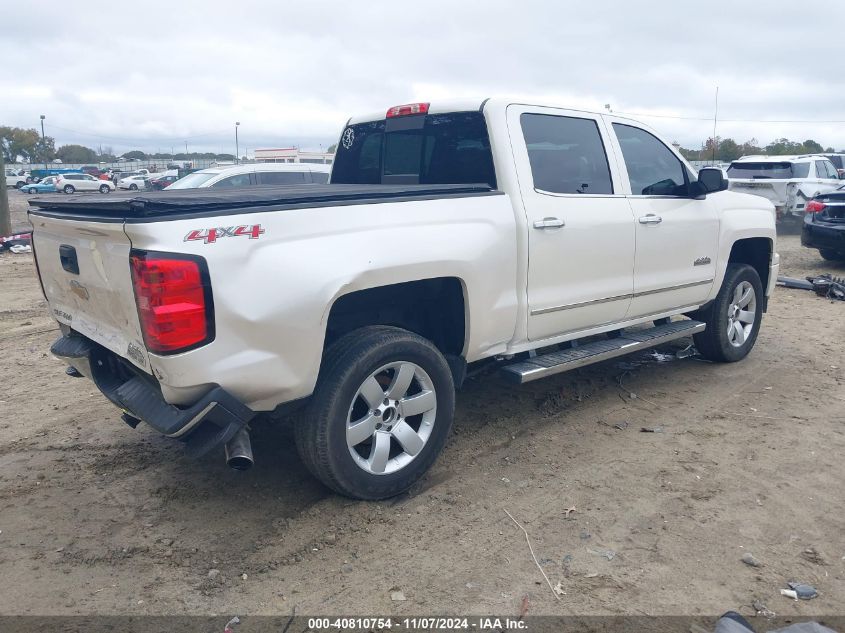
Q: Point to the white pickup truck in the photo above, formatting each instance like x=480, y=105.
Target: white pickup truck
x=536, y=237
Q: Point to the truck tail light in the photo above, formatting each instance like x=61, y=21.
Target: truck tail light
x=173, y=295
x=814, y=206
x=407, y=110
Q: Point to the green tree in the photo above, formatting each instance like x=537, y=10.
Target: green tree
x=25, y=143
x=135, y=154
x=728, y=150
x=76, y=154
x=811, y=147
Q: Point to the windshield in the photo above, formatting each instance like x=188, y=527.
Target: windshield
x=192, y=181
x=780, y=171
x=435, y=149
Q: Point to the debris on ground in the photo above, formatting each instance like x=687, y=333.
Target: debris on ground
x=621, y=425
x=828, y=286
x=609, y=554
x=234, y=621
x=397, y=596
x=803, y=590
x=651, y=429
x=795, y=283
x=761, y=609
x=568, y=511
x=17, y=249
x=749, y=560
x=558, y=589
x=523, y=607
x=812, y=555
x=687, y=352
x=660, y=357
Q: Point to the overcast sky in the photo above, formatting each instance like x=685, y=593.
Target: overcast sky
x=153, y=75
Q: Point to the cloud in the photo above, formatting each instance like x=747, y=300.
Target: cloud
x=292, y=73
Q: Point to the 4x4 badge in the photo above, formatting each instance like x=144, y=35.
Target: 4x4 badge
x=701, y=261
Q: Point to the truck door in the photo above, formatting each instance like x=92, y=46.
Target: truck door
x=580, y=226
x=677, y=236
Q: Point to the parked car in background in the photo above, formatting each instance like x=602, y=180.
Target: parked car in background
x=38, y=174
x=13, y=179
x=70, y=183
x=788, y=181
x=46, y=185
x=824, y=225
x=255, y=175
x=838, y=161
x=133, y=183
x=91, y=170
x=158, y=183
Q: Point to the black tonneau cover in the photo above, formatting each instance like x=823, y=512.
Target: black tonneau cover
x=155, y=204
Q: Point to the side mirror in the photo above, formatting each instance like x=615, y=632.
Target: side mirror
x=712, y=180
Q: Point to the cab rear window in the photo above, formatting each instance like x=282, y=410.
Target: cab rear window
x=434, y=149
x=780, y=171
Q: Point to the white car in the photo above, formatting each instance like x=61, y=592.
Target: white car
x=70, y=183
x=789, y=182
x=14, y=180
x=255, y=174
x=133, y=183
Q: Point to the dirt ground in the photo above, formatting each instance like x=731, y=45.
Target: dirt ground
x=99, y=518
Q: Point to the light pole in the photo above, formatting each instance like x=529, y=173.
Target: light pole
x=43, y=145
x=237, y=160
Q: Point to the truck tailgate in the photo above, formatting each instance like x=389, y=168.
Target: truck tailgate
x=84, y=268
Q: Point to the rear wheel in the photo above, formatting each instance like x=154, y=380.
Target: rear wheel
x=831, y=256
x=104, y=189
x=733, y=319
x=380, y=414
x=68, y=189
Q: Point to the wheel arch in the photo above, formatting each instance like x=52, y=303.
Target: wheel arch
x=435, y=308
x=757, y=253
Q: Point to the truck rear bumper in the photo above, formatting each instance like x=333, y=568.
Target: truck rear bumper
x=211, y=421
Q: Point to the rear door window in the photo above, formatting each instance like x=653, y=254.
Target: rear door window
x=566, y=154
x=280, y=177
x=452, y=148
x=653, y=169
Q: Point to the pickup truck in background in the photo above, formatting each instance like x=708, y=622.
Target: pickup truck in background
x=450, y=235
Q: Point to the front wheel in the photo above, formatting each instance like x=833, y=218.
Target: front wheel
x=733, y=319
x=104, y=188
x=831, y=256
x=32, y=190
x=68, y=189
x=380, y=414
x=133, y=187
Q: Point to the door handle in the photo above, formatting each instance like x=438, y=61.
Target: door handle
x=651, y=219
x=549, y=223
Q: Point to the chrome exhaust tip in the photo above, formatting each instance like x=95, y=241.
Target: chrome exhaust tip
x=239, y=451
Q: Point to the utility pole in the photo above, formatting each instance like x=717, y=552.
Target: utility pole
x=237, y=159
x=5, y=215
x=715, y=116
x=44, y=145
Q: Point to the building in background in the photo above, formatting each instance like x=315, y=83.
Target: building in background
x=292, y=155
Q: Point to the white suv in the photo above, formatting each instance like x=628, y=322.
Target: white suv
x=255, y=174
x=788, y=181
x=70, y=183
x=14, y=180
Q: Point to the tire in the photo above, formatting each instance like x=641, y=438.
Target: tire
x=20, y=184
x=728, y=337
x=68, y=189
x=831, y=256
x=105, y=189
x=373, y=463
x=32, y=190
x=133, y=187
